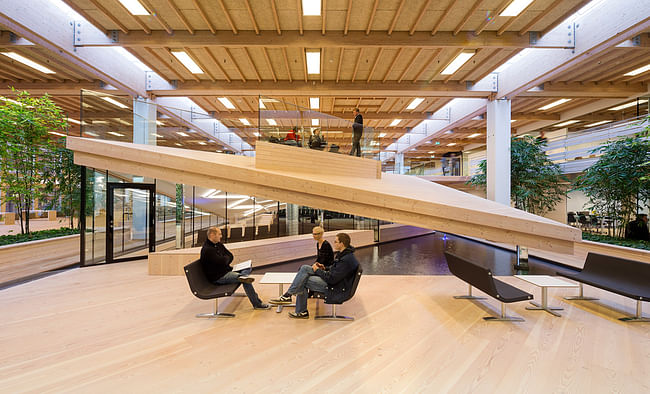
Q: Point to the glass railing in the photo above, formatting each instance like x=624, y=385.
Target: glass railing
x=290, y=124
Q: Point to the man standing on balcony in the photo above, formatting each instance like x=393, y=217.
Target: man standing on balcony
x=357, y=130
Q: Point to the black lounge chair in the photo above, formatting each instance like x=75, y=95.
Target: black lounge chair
x=625, y=277
x=203, y=289
x=482, y=279
x=352, y=290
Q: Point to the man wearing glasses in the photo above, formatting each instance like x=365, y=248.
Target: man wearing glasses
x=331, y=281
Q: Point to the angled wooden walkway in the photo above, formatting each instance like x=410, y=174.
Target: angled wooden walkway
x=333, y=182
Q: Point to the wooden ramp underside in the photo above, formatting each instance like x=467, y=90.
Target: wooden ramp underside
x=397, y=198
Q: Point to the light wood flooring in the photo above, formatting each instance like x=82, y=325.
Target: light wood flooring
x=116, y=329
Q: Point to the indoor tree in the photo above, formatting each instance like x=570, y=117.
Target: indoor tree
x=536, y=183
x=620, y=180
x=63, y=181
x=26, y=149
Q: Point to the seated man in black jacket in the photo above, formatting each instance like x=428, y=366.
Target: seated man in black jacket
x=216, y=259
x=638, y=229
x=332, y=281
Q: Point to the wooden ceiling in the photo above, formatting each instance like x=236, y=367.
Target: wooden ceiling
x=375, y=55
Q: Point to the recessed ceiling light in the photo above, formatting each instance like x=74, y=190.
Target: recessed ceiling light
x=245, y=121
x=159, y=123
x=256, y=134
x=28, y=62
x=415, y=103
x=382, y=135
x=568, y=122
x=313, y=62
x=395, y=122
x=554, y=104
x=177, y=144
x=91, y=133
x=513, y=120
x=598, y=123
x=272, y=122
x=182, y=134
x=311, y=7
x=227, y=103
x=315, y=122
x=432, y=152
x=515, y=7
x=116, y=134
x=628, y=105
x=134, y=7
x=314, y=102
x=114, y=102
x=202, y=143
x=451, y=144
x=261, y=104
x=473, y=135
x=638, y=71
x=457, y=63
x=157, y=135
x=187, y=61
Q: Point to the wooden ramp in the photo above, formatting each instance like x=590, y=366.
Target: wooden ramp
x=333, y=182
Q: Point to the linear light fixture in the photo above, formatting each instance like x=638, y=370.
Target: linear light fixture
x=568, y=122
x=159, y=123
x=227, y=103
x=314, y=102
x=272, y=122
x=554, y=104
x=311, y=7
x=28, y=62
x=395, y=122
x=313, y=61
x=115, y=133
x=474, y=135
x=182, y=134
x=56, y=133
x=598, y=123
x=75, y=121
x=134, y=7
x=513, y=120
x=382, y=135
x=315, y=122
x=415, y=103
x=114, y=102
x=177, y=144
x=515, y=8
x=202, y=143
x=261, y=104
x=187, y=61
x=157, y=135
x=638, y=71
x=457, y=63
x=451, y=144
x=628, y=105
x=245, y=121
x=256, y=134
x=431, y=152
x=90, y=133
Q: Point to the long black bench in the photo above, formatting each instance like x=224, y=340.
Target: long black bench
x=202, y=288
x=482, y=279
x=628, y=278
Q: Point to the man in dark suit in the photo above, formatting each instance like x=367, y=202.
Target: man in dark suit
x=357, y=131
x=216, y=259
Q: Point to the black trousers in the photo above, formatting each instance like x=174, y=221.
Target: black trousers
x=356, y=144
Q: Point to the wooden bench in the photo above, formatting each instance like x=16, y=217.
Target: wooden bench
x=482, y=279
x=625, y=277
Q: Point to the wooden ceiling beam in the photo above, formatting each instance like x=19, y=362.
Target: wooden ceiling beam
x=324, y=16
x=110, y=16
x=153, y=53
x=252, y=16
x=495, y=13
x=204, y=16
x=409, y=65
x=250, y=61
x=471, y=11
x=451, y=5
x=275, y=17
x=347, y=18
x=192, y=75
x=156, y=16
x=216, y=62
x=269, y=64
x=137, y=19
x=234, y=63
x=327, y=88
x=200, y=64
x=390, y=68
x=419, y=17
x=539, y=17
x=372, y=17
x=315, y=39
x=228, y=18
x=374, y=65
x=180, y=16
x=356, y=66
x=397, y=14
x=286, y=63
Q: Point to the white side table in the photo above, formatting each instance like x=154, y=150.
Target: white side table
x=545, y=281
x=279, y=278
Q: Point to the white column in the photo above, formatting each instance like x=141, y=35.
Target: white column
x=144, y=121
x=399, y=163
x=498, y=151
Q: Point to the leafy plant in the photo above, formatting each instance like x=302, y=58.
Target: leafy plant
x=536, y=183
x=26, y=150
x=630, y=243
x=64, y=181
x=36, y=235
x=619, y=180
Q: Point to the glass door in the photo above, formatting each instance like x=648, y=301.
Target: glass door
x=130, y=217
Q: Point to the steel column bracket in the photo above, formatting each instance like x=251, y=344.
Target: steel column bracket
x=487, y=84
x=556, y=38
x=85, y=34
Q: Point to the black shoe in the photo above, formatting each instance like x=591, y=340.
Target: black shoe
x=262, y=306
x=246, y=279
x=282, y=300
x=300, y=315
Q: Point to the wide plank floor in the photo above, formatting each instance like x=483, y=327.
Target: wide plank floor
x=114, y=328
